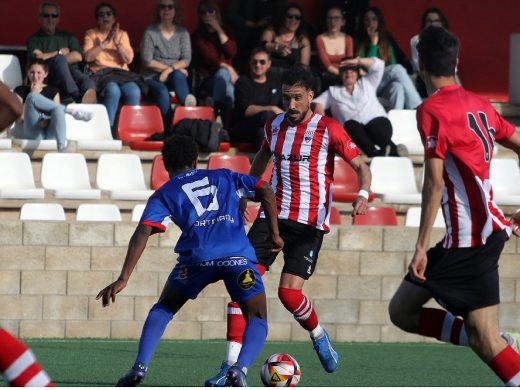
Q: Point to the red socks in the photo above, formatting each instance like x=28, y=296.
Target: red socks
x=443, y=326
x=300, y=306
x=507, y=366
x=19, y=365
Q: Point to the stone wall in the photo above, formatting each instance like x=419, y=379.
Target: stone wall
x=50, y=273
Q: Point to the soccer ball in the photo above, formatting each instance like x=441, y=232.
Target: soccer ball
x=280, y=370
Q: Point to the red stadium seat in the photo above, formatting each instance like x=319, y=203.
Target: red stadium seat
x=159, y=174
x=335, y=217
x=345, y=182
x=238, y=164
x=136, y=123
x=245, y=147
x=252, y=210
x=377, y=216
x=197, y=112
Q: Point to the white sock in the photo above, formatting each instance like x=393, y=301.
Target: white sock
x=317, y=332
x=232, y=351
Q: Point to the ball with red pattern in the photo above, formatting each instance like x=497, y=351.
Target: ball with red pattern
x=280, y=370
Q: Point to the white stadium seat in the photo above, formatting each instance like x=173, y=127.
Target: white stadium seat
x=10, y=70
x=393, y=180
x=404, y=127
x=42, y=212
x=505, y=179
x=66, y=176
x=122, y=176
x=413, y=218
x=137, y=211
x=94, y=134
x=16, y=133
x=16, y=177
x=98, y=212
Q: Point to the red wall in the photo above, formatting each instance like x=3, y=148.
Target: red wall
x=484, y=28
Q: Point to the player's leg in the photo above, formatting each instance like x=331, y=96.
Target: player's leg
x=18, y=364
x=484, y=339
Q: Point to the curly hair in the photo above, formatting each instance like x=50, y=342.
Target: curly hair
x=298, y=75
x=179, y=151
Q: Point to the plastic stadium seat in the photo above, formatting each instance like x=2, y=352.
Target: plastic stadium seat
x=404, y=127
x=245, y=147
x=66, y=175
x=5, y=143
x=159, y=174
x=377, y=216
x=16, y=132
x=136, y=123
x=346, y=185
x=98, y=212
x=137, y=211
x=413, y=218
x=238, y=164
x=505, y=179
x=16, y=177
x=122, y=176
x=94, y=134
x=335, y=216
x=42, y=212
x=10, y=71
x=393, y=179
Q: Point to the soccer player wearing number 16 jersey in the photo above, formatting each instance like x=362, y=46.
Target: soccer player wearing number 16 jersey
x=458, y=130
x=213, y=246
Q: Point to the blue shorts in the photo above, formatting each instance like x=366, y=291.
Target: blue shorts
x=240, y=275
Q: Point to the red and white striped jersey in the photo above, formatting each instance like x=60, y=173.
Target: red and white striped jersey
x=461, y=128
x=303, y=166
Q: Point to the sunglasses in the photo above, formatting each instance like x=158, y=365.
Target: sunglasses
x=166, y=6
x=204, y=11
x=334, y=18
x=261, y=62
x=47, y=16
x=293, y=16
x=103, y=14
x=347, y=68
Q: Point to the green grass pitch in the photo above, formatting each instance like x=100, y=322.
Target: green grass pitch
x=188, y=363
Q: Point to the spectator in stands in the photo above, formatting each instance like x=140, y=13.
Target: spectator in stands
x=352, y=11
x=332, y=46
x=257, y=98
x=249, y=19
x=286, y=40
x=213, y=52
x=63, y=54
x=43, y=115
x=108, y=53
x=166, y=55
x=355, y=105
x=375, y=41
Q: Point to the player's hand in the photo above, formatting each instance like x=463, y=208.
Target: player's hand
x=418, y=266
x=515, y=223
x=360, y=206
x=110, y=291
x=277, y=243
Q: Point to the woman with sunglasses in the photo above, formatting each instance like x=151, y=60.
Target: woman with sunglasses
x=333, y=45
x=108, y=52
x=286, y=41
x=213, y=54
x=166, y=55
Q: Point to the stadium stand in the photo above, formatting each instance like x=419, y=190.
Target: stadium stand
x=238, y=163
x=505, y=178
x=42, y=212
x=98, y=212
x=16, y=177
x=393, y=180
x=10, y=70
x=335, y=216
x=413, y=218
x=377, y=216
x=404, y=126
x=137, y=123
x=66, y=176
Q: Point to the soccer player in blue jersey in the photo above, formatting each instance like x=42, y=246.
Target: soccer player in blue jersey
x=213, y=246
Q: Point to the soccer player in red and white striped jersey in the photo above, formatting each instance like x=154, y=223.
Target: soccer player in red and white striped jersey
x=458, y=130
x=303, y=145
x=18, y=364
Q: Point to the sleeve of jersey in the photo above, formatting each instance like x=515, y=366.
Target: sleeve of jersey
x=340, y=142
x=156, y=214
x=432, y=134
x=504, y=130
x=247, y=186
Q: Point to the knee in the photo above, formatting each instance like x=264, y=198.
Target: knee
x=397, y=71
x=222, y=74
x=398, y=316
x=112, y=90
x=133, y=92
x=395, y=87
x=31, y=98
x=177, y=75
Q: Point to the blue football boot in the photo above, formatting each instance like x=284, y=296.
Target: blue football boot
x=133, y=377
x=328, y=357
x=219, y=380
x=236, y=377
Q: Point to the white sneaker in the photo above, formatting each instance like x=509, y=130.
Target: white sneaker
x=190, y=100
x=81, y=115
x=512, y=338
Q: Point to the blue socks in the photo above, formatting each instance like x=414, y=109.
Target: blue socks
x=253, y=341
x=153, y=329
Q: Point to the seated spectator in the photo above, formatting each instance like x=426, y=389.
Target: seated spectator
x=355, y=105
x=213, y=54
x=286, y=40
x=257, y=98
x=63, y=54
x=43, y=115
x=374, y=41
x=332, y=46
x=166, y=55
x=108, y=53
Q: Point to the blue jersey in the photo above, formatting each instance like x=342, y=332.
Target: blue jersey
x=205, y=205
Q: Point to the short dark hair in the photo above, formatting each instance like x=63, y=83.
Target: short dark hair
x=179, y=151
x=438, y=51
x=259, y=49
x=101, y=5
x=298, y=75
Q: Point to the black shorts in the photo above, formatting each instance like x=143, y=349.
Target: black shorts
x=302, y=244
x=464, y=279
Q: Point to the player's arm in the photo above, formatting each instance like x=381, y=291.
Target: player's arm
x=431, y=199
x=512, y=143
x=364, y=177
x=266, y=195
x=135, y=250
x=260, y=161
